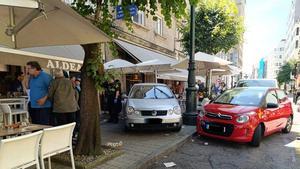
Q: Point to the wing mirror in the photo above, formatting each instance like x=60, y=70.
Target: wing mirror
x=124, y=96
x=272, y=105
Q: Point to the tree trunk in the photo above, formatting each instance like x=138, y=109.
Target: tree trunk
x=89, y=141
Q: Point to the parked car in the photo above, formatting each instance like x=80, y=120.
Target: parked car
x=152, y=105
x=246, y=115
x=257, y=83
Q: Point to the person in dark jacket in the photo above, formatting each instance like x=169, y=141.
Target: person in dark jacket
x=114, y=100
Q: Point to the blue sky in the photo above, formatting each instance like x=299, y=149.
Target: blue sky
x=266, y=24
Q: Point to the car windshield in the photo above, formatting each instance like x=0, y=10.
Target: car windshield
x=242, y=97
x=259, y=83
x=151, y=92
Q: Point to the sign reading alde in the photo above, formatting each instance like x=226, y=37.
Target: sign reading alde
x=55, y=64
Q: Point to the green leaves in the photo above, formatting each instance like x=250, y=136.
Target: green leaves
x=284, y=73
x=218, y=27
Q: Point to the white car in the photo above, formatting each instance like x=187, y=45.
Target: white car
x=152, y=106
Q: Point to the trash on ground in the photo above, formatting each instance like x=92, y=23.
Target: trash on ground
x=170, y=164
x=165, y=156
x=193, y=140
x=206, y=143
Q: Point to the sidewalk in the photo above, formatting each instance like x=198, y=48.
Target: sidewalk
x=141, y=147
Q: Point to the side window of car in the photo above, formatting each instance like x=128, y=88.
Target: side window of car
x=272, y=97
x=281, y=95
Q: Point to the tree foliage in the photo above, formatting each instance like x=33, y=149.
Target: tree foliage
x=284, y=73
x=101, y=13
x=218, y=27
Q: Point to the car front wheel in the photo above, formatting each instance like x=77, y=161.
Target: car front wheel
x=257, y=136
x=288, y=126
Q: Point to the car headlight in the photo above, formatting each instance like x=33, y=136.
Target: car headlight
x=130, y=110
x=201, y=113
x=170, y=111
x=177, y=110
x=243, y=119
x=136, y=112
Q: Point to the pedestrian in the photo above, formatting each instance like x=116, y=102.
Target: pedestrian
x=39, y=85
x=64, y=97
x=201, y=86
x=113, y=100
x=17, y=85
x=223, y=87
x=77, y=85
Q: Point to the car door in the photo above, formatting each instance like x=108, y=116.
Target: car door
x=285, y=108
x=270, y=114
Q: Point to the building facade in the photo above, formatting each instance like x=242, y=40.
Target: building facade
x=292, y=35
x=275, y=60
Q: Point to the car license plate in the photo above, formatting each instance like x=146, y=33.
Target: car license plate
x=154, y=121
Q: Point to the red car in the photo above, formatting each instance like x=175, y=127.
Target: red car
x=246, y=115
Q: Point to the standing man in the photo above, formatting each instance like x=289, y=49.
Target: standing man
x=17, y=85
x=39, y=85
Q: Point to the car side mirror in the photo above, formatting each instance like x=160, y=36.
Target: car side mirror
x=124, y=96
x=272, y=105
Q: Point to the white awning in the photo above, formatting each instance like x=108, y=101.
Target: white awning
x=142, y=54
x=19, y=57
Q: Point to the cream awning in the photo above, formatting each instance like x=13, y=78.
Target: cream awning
x=18, y=57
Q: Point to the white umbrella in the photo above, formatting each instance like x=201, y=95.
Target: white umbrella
x=120, y=65
x=32, y=23
x=204, y=62
x=154, y=65
x=178, y=74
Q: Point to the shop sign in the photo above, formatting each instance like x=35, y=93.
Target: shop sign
x=55, y=64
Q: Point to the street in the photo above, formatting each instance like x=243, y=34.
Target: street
x=278, y=151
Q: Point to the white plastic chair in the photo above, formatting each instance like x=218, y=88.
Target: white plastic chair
x=20, y=152
x=56, y=140
x=9, y=113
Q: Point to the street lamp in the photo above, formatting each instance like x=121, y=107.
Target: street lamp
x=190, y=116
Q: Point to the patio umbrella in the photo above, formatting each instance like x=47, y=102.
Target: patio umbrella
x=32, y=23
x=154, y=65
x=178, y=74
x=120, y=65
x=204, y=62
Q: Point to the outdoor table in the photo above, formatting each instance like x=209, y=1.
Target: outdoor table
x=4, y=132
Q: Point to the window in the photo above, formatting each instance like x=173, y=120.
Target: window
x=279, y=64
x=281, y=95
x=276, y=64
x=139, y=18
x=271, y=97
x=297, y=31
x=241, y=96
x=159, y=26
x=280, y=56
x=151, y=92
x=296, y=44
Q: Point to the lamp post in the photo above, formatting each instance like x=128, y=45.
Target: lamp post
x=189, y=117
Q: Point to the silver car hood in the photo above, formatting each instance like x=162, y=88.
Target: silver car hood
x=152, y=104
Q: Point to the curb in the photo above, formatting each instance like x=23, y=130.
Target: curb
x=153, y=157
